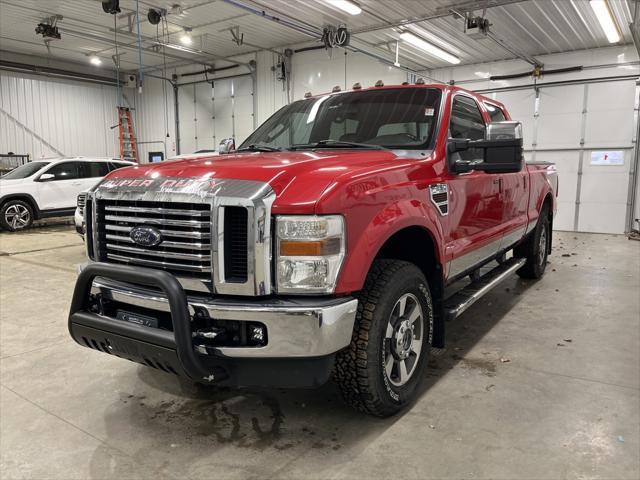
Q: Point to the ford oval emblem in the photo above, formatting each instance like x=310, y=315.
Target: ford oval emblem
x=146, y=236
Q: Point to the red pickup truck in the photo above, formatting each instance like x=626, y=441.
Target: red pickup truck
x=321, y=247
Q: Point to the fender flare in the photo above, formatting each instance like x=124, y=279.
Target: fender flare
x=359, y=262
x=24, y=197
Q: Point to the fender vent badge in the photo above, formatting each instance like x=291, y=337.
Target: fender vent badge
x=440, y=197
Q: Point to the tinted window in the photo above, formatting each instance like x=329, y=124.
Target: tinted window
x=466, y=122
x=94, y=169
x=65, y=170
x=26, y=170
x=116, y=165
x=393, y=118
x=496, y=114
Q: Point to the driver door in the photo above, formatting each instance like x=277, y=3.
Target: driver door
x=475, y=203
x=62, y=190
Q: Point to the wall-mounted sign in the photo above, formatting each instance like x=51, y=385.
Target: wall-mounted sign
x=607, y=157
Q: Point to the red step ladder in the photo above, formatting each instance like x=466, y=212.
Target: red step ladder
x=128, y=143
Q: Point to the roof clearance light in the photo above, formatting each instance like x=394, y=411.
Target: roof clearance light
x=603, y=14
x=420, y=81
x=357, y=86
x=308, y=95
x=428, y=47
x=336, y=89
x=379, y=83
x=345, y=5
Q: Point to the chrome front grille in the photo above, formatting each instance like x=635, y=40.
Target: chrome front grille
x=186, y=231
x=216, y=233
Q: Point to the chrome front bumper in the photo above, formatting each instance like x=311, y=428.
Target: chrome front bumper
x=296, y=328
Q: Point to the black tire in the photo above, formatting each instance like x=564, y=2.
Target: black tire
x=360, y=368
x=16, y=215
x=536, y=249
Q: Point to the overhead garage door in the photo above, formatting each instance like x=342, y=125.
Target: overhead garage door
x=210, y=112
x=565, y=124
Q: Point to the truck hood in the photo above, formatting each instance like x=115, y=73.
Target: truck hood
x=297, y=178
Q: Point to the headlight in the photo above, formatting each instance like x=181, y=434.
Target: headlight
x=310, y=250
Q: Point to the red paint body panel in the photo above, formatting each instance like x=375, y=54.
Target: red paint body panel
x=380, y=193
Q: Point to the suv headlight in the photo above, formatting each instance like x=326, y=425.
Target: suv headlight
x=310, y=251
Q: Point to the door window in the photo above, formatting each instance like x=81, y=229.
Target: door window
x=94, y=169
x=65, y=171
x=466, y=122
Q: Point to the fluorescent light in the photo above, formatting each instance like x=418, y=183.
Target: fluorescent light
x=346, y=5
x=95, y=60
x=603, y=14
x=428, y=47
x=185, y=38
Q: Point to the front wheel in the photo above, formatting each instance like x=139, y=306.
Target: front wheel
x=379, y=373
x=16, y=215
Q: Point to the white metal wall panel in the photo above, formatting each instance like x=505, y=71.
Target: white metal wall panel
x=187, y=115
x=559, y=117
x=223, y=106
x=50, y=117
x=210, y=114
x=243, y=107
x=153, y=117
x=317, y=72
x=204, y=127
x=610, y=114
x=603, y=196
x=270, y=93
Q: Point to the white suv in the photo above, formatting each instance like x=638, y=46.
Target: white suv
x=49, y=188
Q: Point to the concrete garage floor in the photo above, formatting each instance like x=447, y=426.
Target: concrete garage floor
x=540, y=380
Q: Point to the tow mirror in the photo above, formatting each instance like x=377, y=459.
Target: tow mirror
x=46, y=177
x=500, y=152
x=227, y=145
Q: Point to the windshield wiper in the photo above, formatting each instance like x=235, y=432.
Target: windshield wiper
x=335, y=143
x=259, y=148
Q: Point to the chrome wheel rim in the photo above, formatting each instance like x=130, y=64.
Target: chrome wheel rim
x=542, y=245
x=403, y=340
x=17, y=216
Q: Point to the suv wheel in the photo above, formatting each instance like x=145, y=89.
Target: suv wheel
x=16, y=215
x=380, y=371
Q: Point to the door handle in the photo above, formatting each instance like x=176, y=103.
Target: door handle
x=498, y=181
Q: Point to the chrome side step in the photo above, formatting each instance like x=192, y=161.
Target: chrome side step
x=455, y=305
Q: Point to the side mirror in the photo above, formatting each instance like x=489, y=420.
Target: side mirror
x=227, y=145
x=501, y=152
x=46, y=177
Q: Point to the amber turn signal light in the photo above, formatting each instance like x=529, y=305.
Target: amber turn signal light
x=310, y=248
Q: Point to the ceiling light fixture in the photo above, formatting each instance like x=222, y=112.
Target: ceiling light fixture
x=185, y=38
x=95, y=60
x=346, y=5
x=428, y=47
x=603, y=14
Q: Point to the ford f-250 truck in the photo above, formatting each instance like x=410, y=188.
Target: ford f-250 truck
x=321, y=247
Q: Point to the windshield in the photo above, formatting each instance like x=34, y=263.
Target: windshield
x=24, y=171
x=402, y=118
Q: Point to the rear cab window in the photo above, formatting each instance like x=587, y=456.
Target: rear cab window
x=495, y=112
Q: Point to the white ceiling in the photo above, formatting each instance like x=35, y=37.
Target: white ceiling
x=533, y=27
